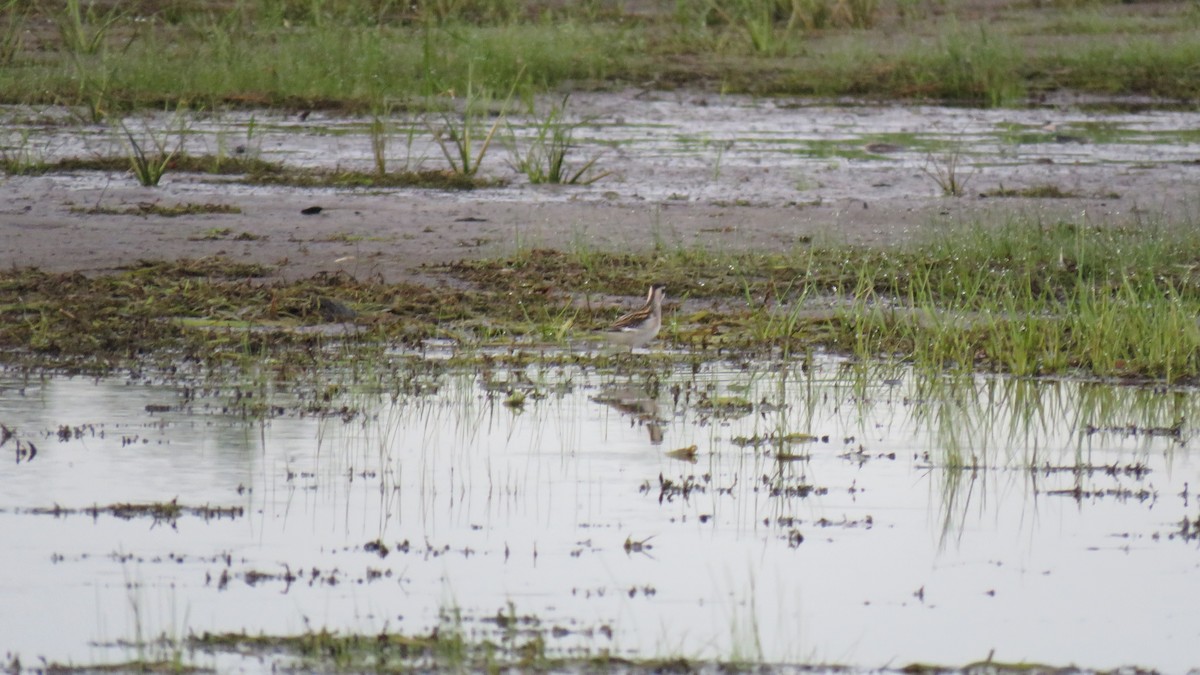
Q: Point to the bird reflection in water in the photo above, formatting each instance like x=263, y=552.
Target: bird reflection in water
x=638, y=404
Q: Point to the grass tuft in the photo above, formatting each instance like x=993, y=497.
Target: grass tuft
x=947, y=172
x=150, y=167
x=545, y=159
x=461, y=127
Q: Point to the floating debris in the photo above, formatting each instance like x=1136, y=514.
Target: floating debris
x=687, y=454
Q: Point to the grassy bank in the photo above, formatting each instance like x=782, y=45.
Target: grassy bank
x=1022, y=297
x=353, y=54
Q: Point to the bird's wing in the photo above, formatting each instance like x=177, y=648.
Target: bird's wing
x=632, y=320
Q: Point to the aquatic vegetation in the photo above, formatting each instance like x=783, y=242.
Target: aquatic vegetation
x=273, y=174
x=948, y=172
x=521, y=644
x=1035, y=192
x=164, y=512
x=381, y=129
x=255, y=171
x=166, y=211
x=458, y=134
x=545, y=158
x=18, y=158
x=149, y=167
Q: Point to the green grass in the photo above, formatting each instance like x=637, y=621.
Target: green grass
x=463, y=133
x=84, y=30
x=544, y=158
x=948, y=172
x=14, y=17
x=351, y=54
x=964, y=64
x=1032, y=299
x=338, y=66
x=149, y=166
x=1021, y=297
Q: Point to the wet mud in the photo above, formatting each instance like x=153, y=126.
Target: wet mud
x=684, y=169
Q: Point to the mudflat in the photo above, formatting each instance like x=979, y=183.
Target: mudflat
x=683, y=169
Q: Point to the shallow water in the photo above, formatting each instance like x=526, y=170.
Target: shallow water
x=675, y=148
x=931, y=519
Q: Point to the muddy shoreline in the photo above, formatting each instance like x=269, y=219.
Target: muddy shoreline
x=686, y=170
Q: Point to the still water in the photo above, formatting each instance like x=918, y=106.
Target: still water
x=832, y=513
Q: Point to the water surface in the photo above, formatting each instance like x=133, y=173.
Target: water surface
x=839, y=513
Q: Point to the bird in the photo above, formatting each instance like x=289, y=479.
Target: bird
x=641, y=325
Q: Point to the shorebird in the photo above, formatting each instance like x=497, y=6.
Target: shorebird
x=641, y=325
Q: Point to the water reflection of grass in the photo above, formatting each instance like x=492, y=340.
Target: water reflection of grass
x=1032, y=424
x=984, y=435
x=419, y=446
x=1083, y=440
